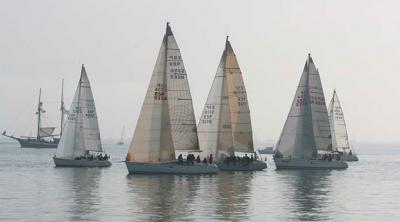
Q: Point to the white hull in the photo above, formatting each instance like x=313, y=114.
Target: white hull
x=308, y=164
x=81, y=163
x=351, y=157
x=240, y=166
x=171, y=168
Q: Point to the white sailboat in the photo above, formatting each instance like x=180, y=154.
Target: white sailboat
x=340, y=139
x=166, y=120
x=80, y=144
x=307, y=128
x=121, y=140
x=225, y=124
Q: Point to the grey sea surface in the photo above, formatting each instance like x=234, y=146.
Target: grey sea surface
x=32, y=189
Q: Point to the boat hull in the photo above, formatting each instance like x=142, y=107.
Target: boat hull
x=308, y=164
x=171, y=168
x=240, y=166
x=351, y=157
x=33, y=143
x=59, y=162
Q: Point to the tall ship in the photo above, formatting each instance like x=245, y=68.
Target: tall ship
x=45, y=137
x=166, y=121
x=307, y=129
x=340, y=138
x=225, y=124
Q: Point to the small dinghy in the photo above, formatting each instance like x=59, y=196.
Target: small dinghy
x=166, y=121
x=340, y=139
x=225, y=124
x=80, y=144
x=307, y=127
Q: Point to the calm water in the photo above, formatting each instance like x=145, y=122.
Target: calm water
x=32, y=189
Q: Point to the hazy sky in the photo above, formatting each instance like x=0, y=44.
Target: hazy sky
x=355, y=45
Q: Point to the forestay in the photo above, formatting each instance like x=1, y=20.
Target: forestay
x=81, y=131
x=340, y=138
x=152, y=139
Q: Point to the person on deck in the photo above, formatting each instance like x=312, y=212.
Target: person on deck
x=180, y=159
x=211, y=159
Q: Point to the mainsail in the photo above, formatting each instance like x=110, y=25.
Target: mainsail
x=238, y=104
x=152, y=139
x=305, y=128
x=340, y=139
x=81, y=132
x=182, y=119
x=225, y=124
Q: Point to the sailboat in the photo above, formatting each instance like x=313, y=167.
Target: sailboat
x=80, y=144
x=121, y=140
x=225, y=124
x=307, y=127
x=161, y=127
x=340, y=139
x=44, y=134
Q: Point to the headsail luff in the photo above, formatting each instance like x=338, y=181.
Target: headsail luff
x=215, y=127
x=183, y=122
x=81, y=132
x=340, y=139
x=152, y=139
x=305, y=128
x=238, y=103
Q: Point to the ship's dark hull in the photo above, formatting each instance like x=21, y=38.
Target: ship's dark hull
x=32, y=143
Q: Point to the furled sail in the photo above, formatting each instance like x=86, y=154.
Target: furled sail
x=340, y=139
x=81, y=131
x=152, y=139
x=238, y=104
x=183, y=122
x=46, y=131
x=305, y=128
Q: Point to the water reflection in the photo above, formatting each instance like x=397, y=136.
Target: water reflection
x=85, y=192
x=233, y=195
x=163, y=197
x=307, y=194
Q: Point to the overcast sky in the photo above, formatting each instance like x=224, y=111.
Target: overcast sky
x=355, y=45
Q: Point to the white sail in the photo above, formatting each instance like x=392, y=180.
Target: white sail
x=340, y=139
x=121, y=140
x=215, y=127
x=238, y=104
x=81, y=131
x=183, y=122
x=305, y=128
x=152, y=139
x=46, y=131
x=322, y=130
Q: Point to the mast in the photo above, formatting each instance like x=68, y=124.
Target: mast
x=39, y=111
x=62, y=108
